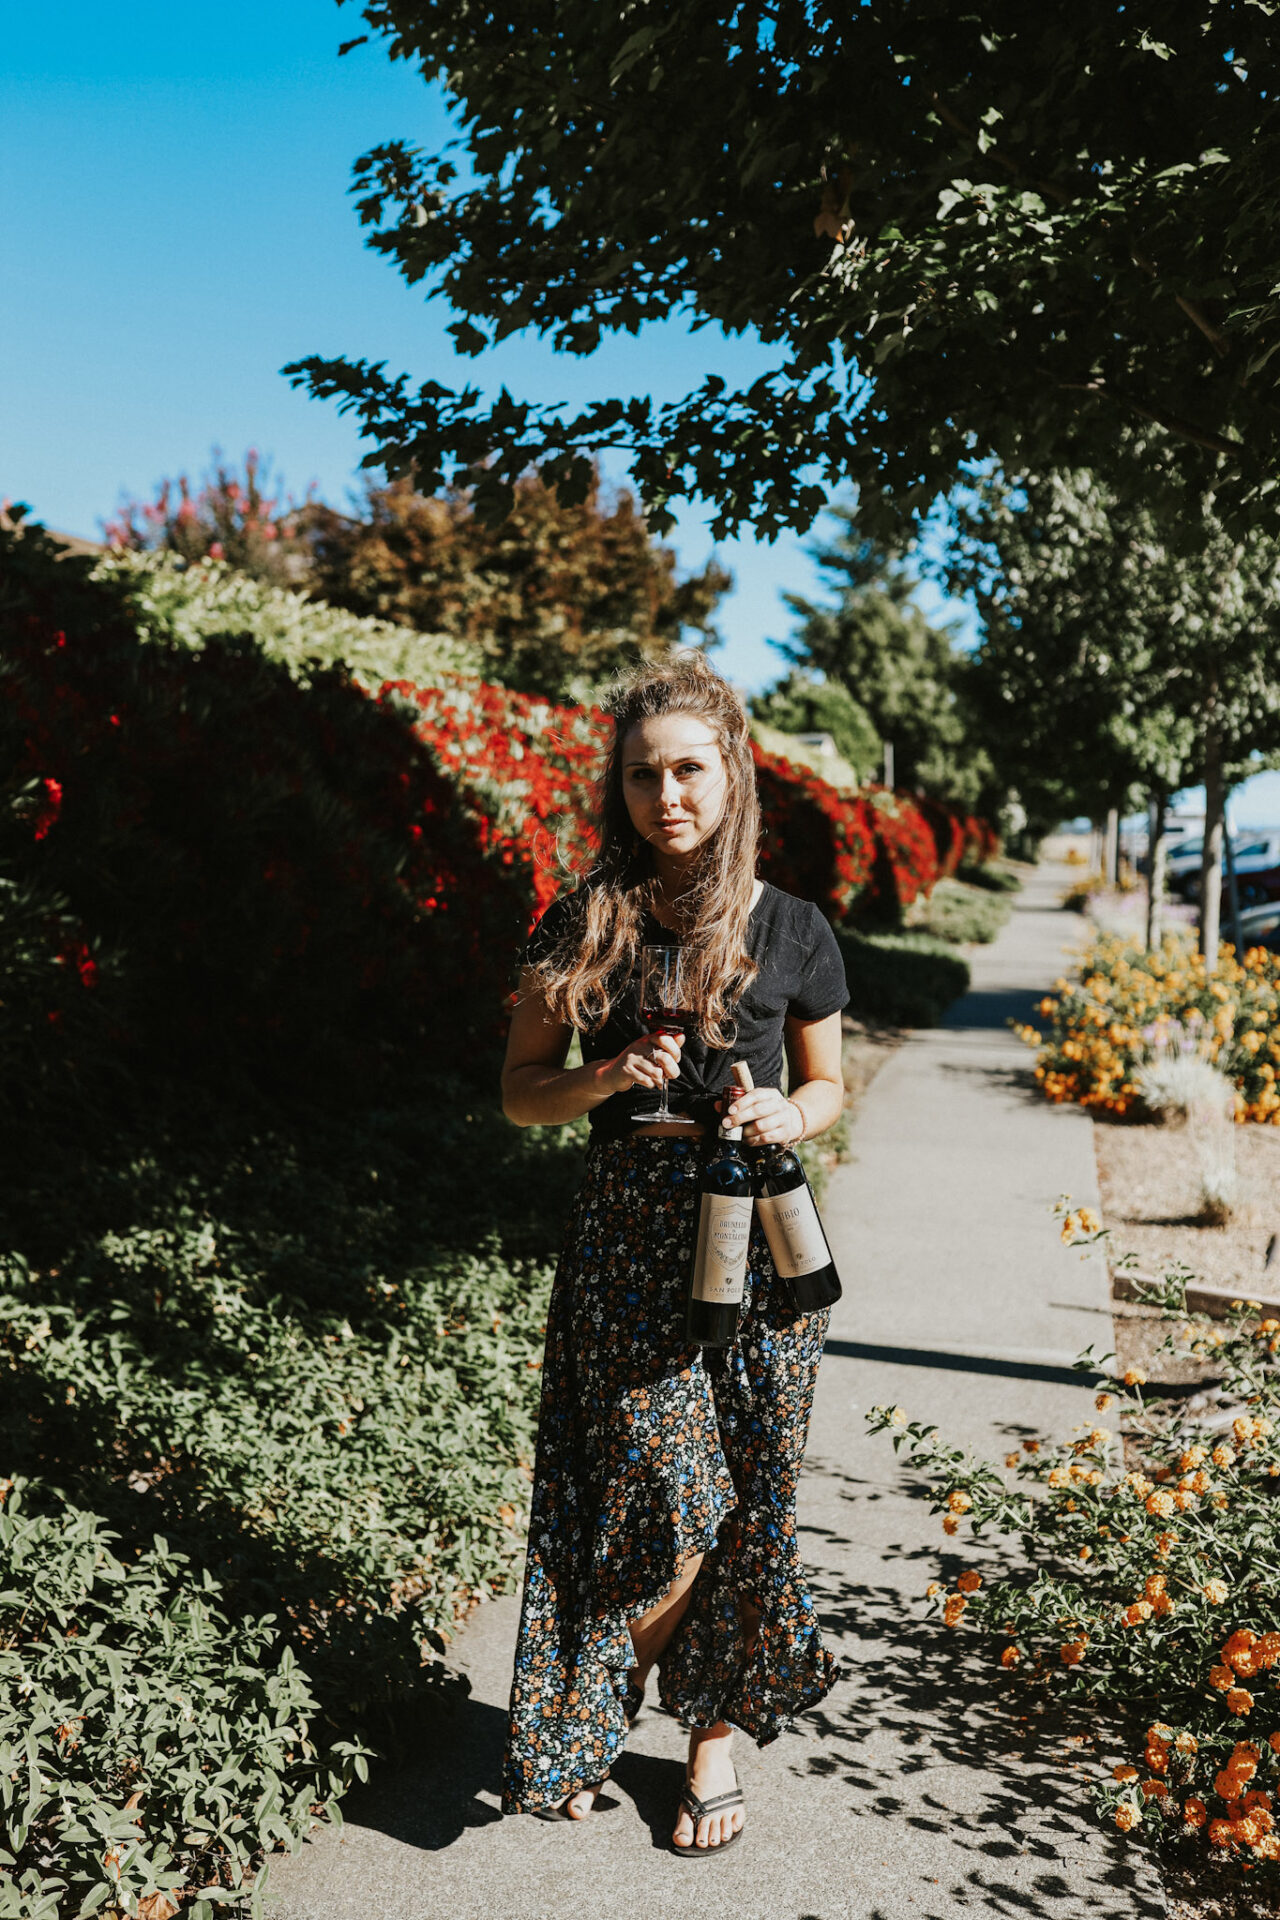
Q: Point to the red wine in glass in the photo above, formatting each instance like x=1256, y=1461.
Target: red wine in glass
x=661, y=1012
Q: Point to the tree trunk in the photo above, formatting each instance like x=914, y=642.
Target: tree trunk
x=1233, y=891
x=1111, y=848
x=1157, y=847
x=1211, y=868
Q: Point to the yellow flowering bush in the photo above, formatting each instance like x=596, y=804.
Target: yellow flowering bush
x=1148, y=1581
x=1096, y=1034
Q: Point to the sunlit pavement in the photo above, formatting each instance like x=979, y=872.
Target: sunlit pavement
x=918, y=1790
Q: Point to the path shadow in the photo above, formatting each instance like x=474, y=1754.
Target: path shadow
x=993, y=1007
x=943, y=1362
x=432, y=1802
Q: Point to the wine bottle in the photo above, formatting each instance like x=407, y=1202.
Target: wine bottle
x=719, y=1271
x=789, y=1216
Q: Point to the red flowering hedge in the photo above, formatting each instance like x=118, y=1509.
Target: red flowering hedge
x=525, y=768
x=949, y=835
x=215, y=861
x=215, y=865
x=816, y=841
x=906, y=856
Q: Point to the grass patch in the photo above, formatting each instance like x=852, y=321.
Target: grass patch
x=901, y=979
x=964, y=914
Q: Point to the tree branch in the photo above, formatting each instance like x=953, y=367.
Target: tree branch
x=1160, y=417
x=1193, y=310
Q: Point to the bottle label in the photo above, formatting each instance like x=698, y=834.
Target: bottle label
x=794, y=1232
x=720, y=1264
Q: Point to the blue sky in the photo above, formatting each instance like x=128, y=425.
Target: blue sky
x=177, y=226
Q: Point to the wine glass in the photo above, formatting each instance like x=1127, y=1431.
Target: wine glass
x=661, y=1012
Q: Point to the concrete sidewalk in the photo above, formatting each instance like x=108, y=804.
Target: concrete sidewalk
x=915, y=1791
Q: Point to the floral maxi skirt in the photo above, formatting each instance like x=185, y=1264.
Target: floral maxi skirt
x=651, y=1450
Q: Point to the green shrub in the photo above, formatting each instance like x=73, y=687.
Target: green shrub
x=901, y=979
x=963, y=914
x=989, y=874
x=149, y=1741
x=190, y=605
x=1139, y=1575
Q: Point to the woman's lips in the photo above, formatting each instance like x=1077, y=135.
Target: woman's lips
x=671, y=826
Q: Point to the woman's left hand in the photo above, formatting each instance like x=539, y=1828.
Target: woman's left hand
x=768, y=1118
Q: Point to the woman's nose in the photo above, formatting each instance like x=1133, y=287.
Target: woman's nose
x=670, y=788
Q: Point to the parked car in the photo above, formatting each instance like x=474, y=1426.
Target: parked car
x=1257, y=858
x=1259, y=927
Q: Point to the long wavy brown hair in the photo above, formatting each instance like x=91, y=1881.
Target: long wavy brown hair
x=583, y=975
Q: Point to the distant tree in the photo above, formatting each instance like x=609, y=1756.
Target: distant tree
x=240, y=517
x=1118, y=663
x=992, y=233
x=803, y=704
x=555, y=597
x=904, y=674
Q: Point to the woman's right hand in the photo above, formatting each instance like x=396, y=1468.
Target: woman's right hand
x=646, y=1062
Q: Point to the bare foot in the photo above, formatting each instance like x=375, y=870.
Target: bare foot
x=579, y=1804
x=711, y=1773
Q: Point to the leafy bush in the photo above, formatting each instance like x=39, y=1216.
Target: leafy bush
x=906, y=865
x=989, y=874
x=254, y=872
x=1147, y=1583
x=150, y=1743
x=306, y=1351
x=964, y=914
x=191, y=604
x=901, y=979
x=1099, y=1033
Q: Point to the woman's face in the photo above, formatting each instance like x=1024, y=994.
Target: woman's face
x=674, y=781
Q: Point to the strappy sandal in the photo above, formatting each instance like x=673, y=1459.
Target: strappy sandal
x=632, y=1702
x=562, y=1811
x=702, y=1810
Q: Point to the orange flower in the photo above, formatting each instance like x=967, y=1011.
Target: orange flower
x=954, y=1608
x=1220, y=1834
x=1223, y=1456
x=959, y=1501
x=1124, y=1772
x=1073, y=1652
x=1160, y=1506
x=969, y=1582
x=933, y=1589
x=1194, y=1811
x=950, y=1524
x=1215, y=1591
x=1134, y=1616
x=1127, y=1816
x=1187, y=1743
x=1010, y=1657
x=1239, y=1700
x=1134, y=1377
x=1221, y=1678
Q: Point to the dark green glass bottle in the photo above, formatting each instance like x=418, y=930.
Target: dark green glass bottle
x=718, y=1276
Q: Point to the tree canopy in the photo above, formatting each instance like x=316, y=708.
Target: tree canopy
x=970, y=233
x=553, y=598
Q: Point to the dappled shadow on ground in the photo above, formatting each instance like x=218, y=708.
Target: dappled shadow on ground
x=933, y=1737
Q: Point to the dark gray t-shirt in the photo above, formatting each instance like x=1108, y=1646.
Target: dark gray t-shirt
x=800, y=973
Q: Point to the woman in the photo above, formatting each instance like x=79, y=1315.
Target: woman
x=663, y=1523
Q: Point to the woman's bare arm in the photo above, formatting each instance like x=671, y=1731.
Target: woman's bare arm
x=538, y=1090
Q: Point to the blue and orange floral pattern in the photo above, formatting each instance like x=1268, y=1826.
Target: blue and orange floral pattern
x=651, y=1450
